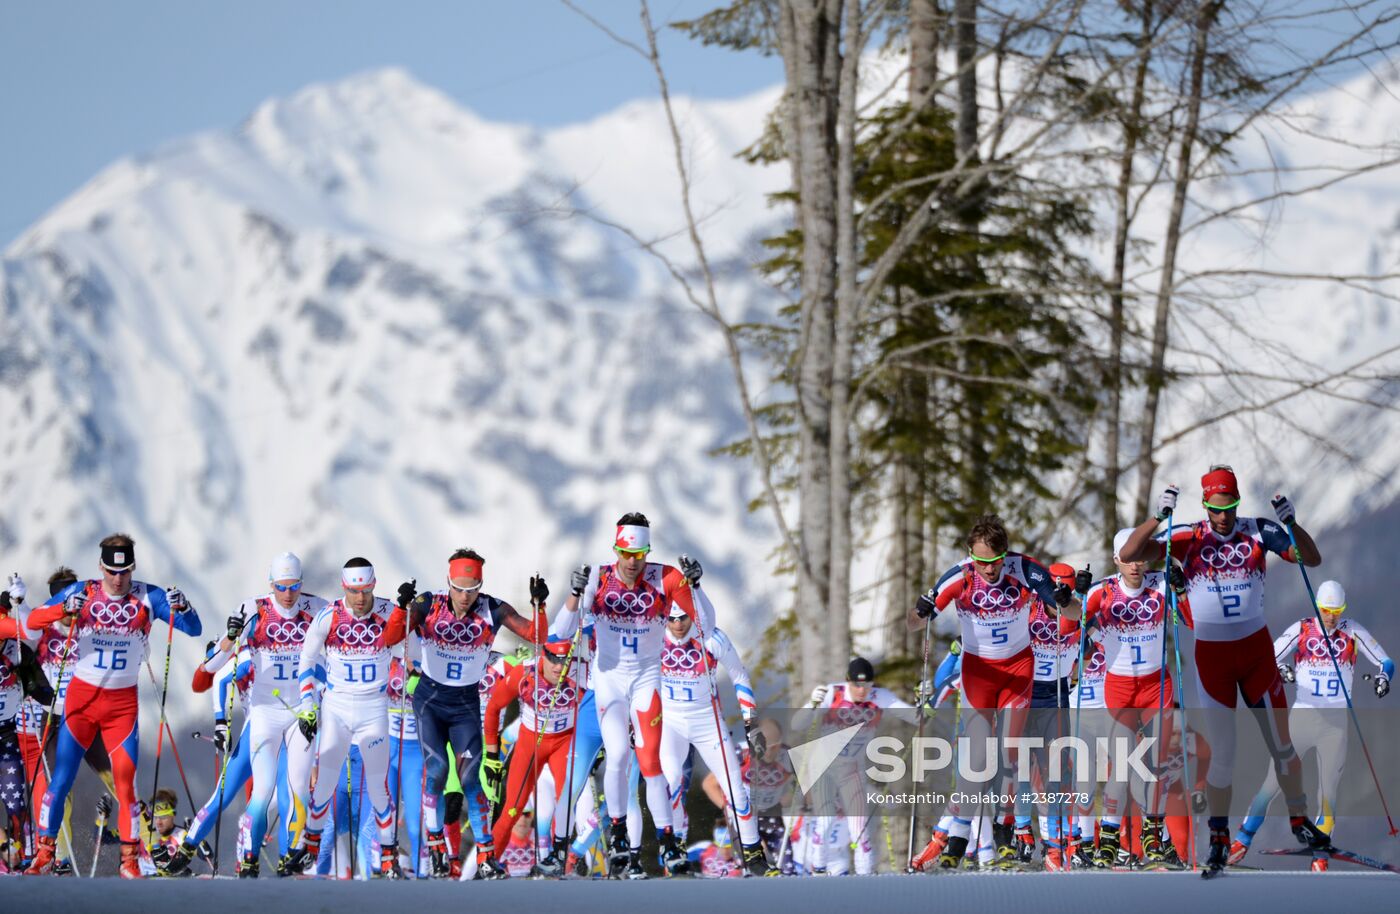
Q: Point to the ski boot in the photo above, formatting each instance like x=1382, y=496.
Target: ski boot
x=1171, y=859
x=1219, y=855
x=131, y=861
x=634, y=866
x=64, y=868
x=1154, y=855
x=43, y=857
x=1319, y=864
x=551, y=865
x=1238, y=850
x=1308, y=833
x=389, y=862
x=577, y=865
x=438, y=865
x=1025, y=845
x=673, y=857
x=488, y=868
x=1106, y=857
x=248, y=867
x=1007, y=856
x=1083, y=856
x=951, y=857
x=756, y=862
x=620, y=849
x=295, y=861
x=930, y=852
x=1054, y=857
x=454, y=869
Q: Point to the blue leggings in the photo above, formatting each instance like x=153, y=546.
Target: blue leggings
x=448, y=714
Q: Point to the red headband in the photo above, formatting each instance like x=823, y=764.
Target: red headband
x=1220, y=482
x=465, y=568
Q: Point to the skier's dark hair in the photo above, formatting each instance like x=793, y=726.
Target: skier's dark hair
x=466, y=554
x=990, y=530
x=634, y=519
x=61, y=578
x=358, y=562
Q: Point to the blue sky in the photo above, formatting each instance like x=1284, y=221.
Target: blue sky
x=84, y=82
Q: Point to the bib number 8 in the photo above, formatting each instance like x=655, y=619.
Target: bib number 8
x=454, y=669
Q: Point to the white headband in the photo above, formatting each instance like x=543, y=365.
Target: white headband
x=357, y=578
x=631, y=538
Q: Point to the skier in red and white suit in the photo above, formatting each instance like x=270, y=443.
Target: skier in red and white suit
x=1127, y=614
x=350, y=639
x=627, y=603
x=993, y=590
x=1224, y=557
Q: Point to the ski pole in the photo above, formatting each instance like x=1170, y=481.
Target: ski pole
x=1185, y=733
x=164, y=693
x=918, y=738
x=1332, y=653
x=97, y=841
x=58, y=688
x=223, y=768
x=534, y=759
x=174, y=750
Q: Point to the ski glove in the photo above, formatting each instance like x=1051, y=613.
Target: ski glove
x=1283, y=510
x=176, y=598
x=235, y=625
x=1166, y=503
x=1083, y=580
x=75, y=603
x=691, y=569
x=493, y=772
x=221, y=736
x=1286, y=671
x=407, y=591
x=104, y=808
x=925, y=607
x=306, y=722
x=578, y=580
x=539, y=590
x=818, y=695
x=1177, y=579
x=18, y=590
x=758, y=742
x=1382, y=686
x=1064, y=596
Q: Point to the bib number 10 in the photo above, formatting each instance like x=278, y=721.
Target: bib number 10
x=368, y=672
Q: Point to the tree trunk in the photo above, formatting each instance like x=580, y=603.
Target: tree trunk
x=814, y=102
x=1132, y=131
x=965, y=40
x=925, y=28
x=1156, y=376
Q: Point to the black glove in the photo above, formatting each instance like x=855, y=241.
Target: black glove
x=578, y=580
x=104, y=807
x=1064, y=595
x=235, y=625
x=307, y=724
x=1177, y=579
x=1198, y=802
x=407, y=591
x=539, y=590
x=1283, y=510
x=691, y=569
x=1286, y=673
x=925, y=607
x=1382, y=686
x=758, y=743
x=1083, y=580
x=221, y=736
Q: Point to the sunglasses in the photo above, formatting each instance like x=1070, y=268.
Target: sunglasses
x=553, y=658
x=632, y=553
x=368, y=588
x=283, y=588
x=116, y=572
x=472, y=589
x=1220, y=509
x=991, y=561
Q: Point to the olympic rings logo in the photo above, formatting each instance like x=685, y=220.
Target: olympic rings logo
x=280, y=631
x=456, y=631
x=1045, y=631
x=767, y=776
x=680, y=656
x=628, y=603
x=854, y=714
x=996, y=597
x=116, y=615
x=547, y=699
x=1317, y=645
x=1136, y=610
x=357, y=634
x=1227, y=555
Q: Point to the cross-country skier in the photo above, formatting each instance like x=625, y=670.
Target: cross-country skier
x=271, y=628
x=451, y=633
x=627, y=602
x=110, y=621
x=993, y=590
x=1127, y=614
x=1223, y=557
x=855, y=700
x=351, y=638
x=1315, y=721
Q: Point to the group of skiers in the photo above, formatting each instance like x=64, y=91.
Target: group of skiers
x=379, y=718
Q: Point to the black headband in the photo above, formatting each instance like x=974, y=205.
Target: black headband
x=118, y=558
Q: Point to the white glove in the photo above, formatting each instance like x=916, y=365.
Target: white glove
x=75, y=603
x=578, y=580
x=1166, y=502
x=819, y=695
x=1286, y=673
x=177, y=600
x=18, y=590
